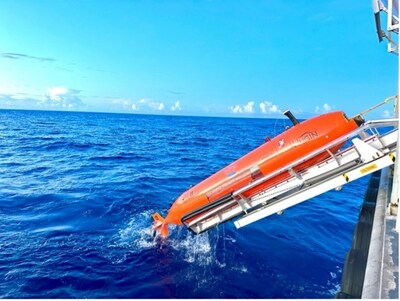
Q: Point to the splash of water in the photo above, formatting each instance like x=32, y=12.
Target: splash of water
x=205, y=249
x=137, y=234
x=195, y=248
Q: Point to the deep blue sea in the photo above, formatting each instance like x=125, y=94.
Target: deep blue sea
x=77, y=191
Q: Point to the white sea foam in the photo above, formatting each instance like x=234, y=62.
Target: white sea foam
x=229, y=238
x=195, y=248
x=241, y=269
x=336, y=289
x=54, y=228
x=137, y=235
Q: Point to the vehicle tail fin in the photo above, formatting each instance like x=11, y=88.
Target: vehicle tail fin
x=158, y=219
x=159, y=225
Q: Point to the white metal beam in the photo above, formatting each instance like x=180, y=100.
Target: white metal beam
x=313, y=191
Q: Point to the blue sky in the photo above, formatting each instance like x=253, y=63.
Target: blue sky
x=210, y=58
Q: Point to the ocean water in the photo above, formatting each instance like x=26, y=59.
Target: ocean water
x=77, y=191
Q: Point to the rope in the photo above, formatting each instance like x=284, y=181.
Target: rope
x=375, y=106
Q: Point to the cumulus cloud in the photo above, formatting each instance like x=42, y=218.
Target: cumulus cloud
x=249, y=108
x=144, y=105
x=268, y=107
x=265, y=107
x=324, y=109
x=176, y=106
x=154, y=105
x=55, y=98
x=327, y=107
x=238, y=109
x=61, y=98
x=17, y=101
x=56, y=93
x=123, y=102
x=160, y=106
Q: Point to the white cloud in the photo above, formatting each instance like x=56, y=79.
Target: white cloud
x=387, y=114
x=324, y=109
x=268, y=107
x=236, y=109
x=161, y=106
x=54, y=98
x=126, y=103
x=144, y=105
x=265, y=107
x=327, y=107
x=248, y=108
x=17, y=101
x=61, y=98
x=176, y=106
x=155, y=106
x=56, y=93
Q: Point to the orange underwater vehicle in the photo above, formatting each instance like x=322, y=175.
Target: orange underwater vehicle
x=217, y=191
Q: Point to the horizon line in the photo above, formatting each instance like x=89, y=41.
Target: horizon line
x=147, y=114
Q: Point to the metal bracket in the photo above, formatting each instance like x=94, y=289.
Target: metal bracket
x=366, y=151
x=295, y=174
x=333, y=157
x=243, y=203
